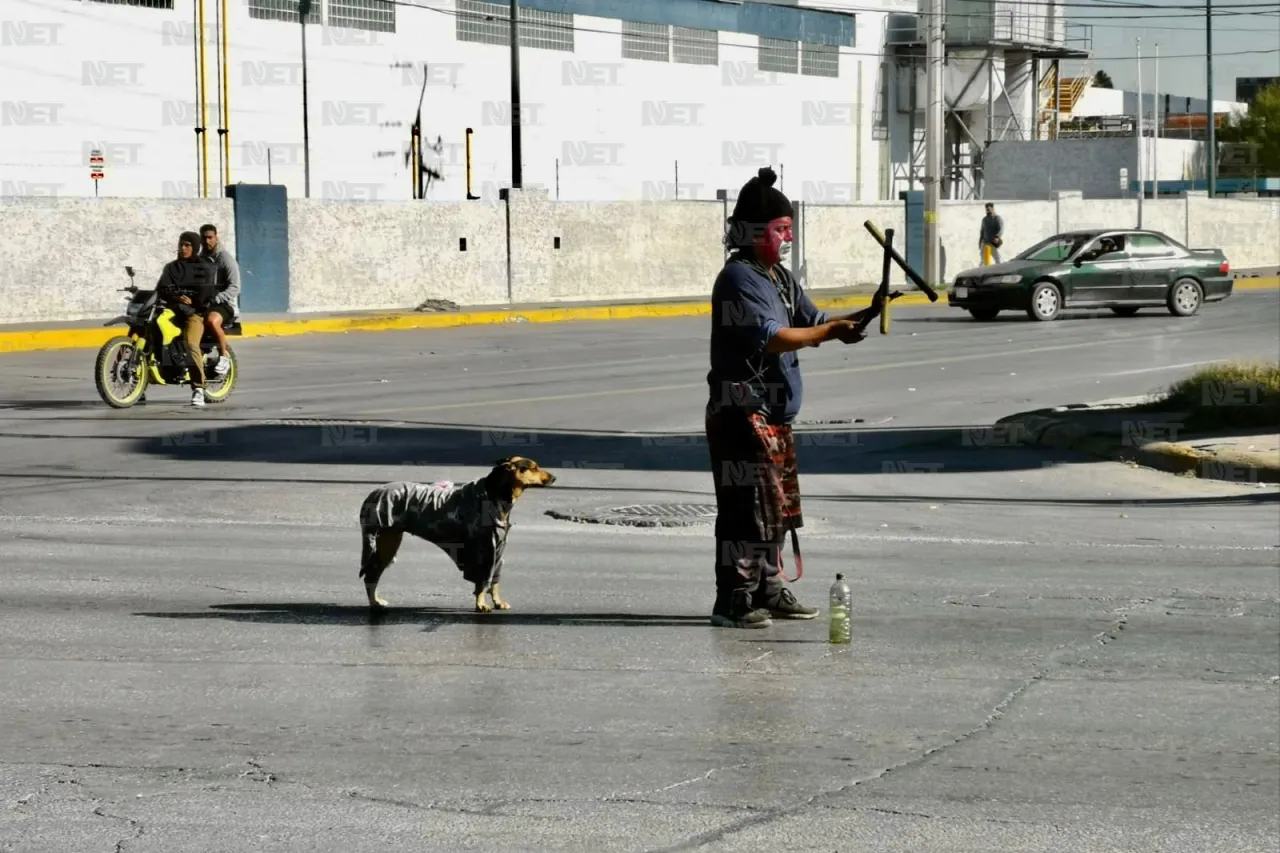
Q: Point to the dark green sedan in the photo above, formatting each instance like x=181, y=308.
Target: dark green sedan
x=1124, y=270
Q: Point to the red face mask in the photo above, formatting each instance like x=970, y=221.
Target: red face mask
x=769, y=246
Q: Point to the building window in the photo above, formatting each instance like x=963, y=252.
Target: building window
x=378, y=15
x=695, y=47
x=490, y=23
x=144, y=4
x=646, y=41
x=820, y=60
x=282, y=10
x=779, y=55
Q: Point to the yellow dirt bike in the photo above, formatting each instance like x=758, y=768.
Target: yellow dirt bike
x=154, y=353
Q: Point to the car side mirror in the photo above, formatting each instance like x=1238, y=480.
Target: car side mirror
x=1078, y=262
x=129, y=270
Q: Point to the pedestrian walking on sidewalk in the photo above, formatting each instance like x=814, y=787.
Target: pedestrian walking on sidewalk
x=991, y=236
x=760, y=317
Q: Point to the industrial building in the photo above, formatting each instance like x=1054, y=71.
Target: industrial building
x=621, y=99
x=1092, y=146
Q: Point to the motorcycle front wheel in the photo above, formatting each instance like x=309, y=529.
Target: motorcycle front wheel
x=120, y=373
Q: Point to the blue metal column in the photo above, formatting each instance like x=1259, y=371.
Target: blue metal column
x=262, y=246
x=914, y=251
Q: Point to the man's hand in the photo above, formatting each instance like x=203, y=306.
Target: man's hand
x=846, y=332
x=878, y=301
x=185, y=300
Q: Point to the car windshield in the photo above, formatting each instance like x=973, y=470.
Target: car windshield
x=1058, y=248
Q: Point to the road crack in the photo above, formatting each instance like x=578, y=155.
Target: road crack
x=997, y=713
x=138, y=829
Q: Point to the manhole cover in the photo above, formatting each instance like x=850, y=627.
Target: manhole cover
x=642, y=515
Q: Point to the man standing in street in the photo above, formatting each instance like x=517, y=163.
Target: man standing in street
x=226, y=305
x=760, y=317
x=990, y=237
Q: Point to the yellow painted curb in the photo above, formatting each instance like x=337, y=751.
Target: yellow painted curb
x=49, y=339
x=1259, y=283
x=91, y=338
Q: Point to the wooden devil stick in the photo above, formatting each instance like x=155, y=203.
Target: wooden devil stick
x=890, y=254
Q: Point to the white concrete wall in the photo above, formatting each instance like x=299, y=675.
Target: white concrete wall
x=123, y=79
x=353, y=257
x=65, y=257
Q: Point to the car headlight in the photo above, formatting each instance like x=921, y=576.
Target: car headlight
x=1003, y=279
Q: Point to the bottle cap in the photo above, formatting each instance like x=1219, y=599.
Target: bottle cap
x=839, y=576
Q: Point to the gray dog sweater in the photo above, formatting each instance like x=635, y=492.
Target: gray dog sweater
x=460, y=519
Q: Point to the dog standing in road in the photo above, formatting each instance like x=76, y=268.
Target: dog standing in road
x=468, y=521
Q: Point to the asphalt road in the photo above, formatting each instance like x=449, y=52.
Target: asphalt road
x=1050, y=653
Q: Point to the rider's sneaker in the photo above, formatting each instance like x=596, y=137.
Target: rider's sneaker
x=197, y=398
x=223, y=365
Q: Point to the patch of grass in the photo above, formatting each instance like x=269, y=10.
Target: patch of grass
x=1237, y=395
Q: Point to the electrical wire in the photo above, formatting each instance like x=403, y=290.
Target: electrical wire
x=843, y=51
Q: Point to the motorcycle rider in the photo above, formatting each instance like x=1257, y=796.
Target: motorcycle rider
x=188, y=283
x=226, y=302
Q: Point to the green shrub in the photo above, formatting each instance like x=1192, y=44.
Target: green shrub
x=1236, y=395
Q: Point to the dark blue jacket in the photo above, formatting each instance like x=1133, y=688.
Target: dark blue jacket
x=747, y=310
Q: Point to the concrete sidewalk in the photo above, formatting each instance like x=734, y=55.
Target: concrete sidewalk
x=1115, y=429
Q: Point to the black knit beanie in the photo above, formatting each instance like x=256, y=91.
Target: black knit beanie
x=759, y=203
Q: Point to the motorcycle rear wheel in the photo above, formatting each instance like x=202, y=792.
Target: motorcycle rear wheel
x=110, y=368
x=218, y=388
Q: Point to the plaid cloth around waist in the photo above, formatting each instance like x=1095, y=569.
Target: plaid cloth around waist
x=749, y=453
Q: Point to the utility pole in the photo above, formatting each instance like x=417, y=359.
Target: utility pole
x=935, y=57
x=1142, y=172
x=517, y=159
x=1210, y=145
x=304, y=9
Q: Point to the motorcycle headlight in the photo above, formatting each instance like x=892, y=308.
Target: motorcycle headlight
x=1003, y=279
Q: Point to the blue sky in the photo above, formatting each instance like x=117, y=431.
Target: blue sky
x=1182, y=44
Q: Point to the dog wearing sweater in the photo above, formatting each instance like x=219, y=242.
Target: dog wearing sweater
x=468, y=521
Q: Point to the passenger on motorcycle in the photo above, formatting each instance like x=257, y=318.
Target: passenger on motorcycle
x=188, y=285
x=226, y=303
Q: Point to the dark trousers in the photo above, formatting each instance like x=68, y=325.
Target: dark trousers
x=757, y=502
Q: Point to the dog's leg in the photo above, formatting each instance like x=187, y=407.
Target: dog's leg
x=481, y=591
x=498, y=602
x=386, y=545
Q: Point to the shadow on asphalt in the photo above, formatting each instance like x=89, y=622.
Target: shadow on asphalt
x=425, y=446
x=429, y=618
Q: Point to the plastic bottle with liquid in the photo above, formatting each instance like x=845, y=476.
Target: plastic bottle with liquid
x=841, y=612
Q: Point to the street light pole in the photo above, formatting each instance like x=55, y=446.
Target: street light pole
x=304, y=9
x=1210, y=145
x=517, y=159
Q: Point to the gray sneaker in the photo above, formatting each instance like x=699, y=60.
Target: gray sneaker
x=785, y=606
x=751, y=619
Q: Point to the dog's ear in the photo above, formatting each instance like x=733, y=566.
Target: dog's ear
x=502, y=461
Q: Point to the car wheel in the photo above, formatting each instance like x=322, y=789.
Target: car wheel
x=1046, y=302
x=1185, y=297
x=1124, y=310
x=984, y=315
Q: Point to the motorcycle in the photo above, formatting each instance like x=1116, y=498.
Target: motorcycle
x=154, y=352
